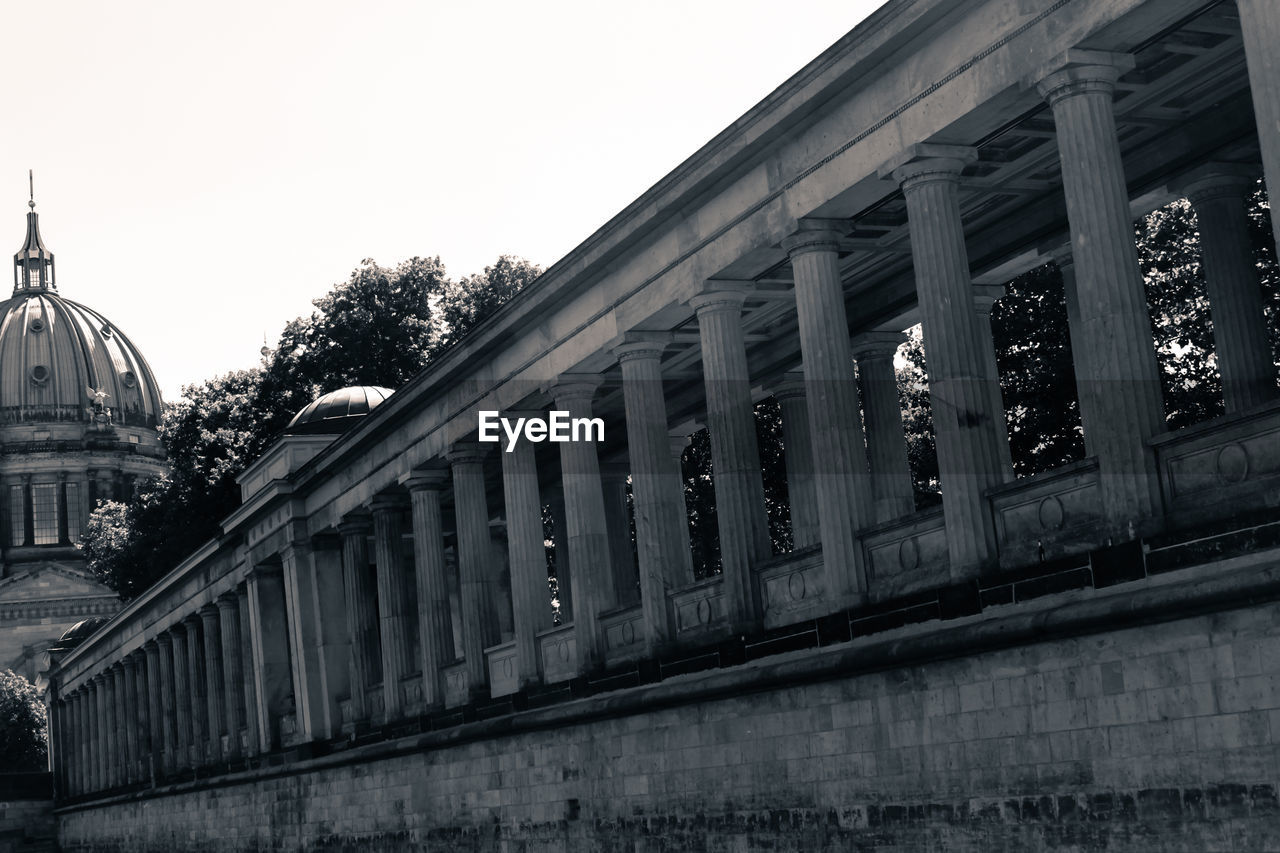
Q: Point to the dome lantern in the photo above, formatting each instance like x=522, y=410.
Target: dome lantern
x=33, y=268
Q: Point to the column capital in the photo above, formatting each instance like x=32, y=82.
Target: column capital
x=427, y=479
x=127, y=662
x=637, y=345
x=815, y=235
x=468, y=452
x=873, y=344
x=720, y=295
x=985, y=296
x=575, y=387
x=355, y=524
x=227, y=601
x=259, y=571
x=1217, y=180
x=787, y=385
x=114, y=669
x=1079, y=72
x=924, y=163
x=208, y=613
x=97, y=679
x=163, y=639
x=191, y=619
x=389, y=502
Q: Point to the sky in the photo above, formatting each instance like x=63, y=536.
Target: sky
x=204, y=170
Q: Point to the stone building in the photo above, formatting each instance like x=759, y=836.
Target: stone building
x=78, y=414
x=1086, y=658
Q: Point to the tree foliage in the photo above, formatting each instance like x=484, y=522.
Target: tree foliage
x=24, y=731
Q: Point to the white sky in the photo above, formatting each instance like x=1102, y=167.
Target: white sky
x=204, y=171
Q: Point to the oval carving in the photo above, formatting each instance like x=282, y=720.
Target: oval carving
x=506, y=667
x=562, y=649
x=628, y=633
x=1233, y=463
x=1051, y=514
x=704, y=611
x=795, y=586
x=908, y=554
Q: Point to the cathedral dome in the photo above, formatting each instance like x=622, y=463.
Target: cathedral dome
x=61, y=361
x=336, y=411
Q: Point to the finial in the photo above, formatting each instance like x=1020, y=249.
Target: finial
x=31, y=184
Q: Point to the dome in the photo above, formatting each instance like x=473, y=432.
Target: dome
x=62, y=362
x=79, y=632
x=337, y=411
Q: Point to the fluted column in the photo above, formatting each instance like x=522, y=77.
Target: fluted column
x=842, y=484
x=156, y=714
x=75, y=765
x=85, y=751
x=252, y=736
x=112, y=728
x=478, y=591
x=1219, y=195
x=435, y=620
x=196, y=687
x=128, y=678
x=797, y=441
x=560, y=536
x=395, y=608
x=215, y=681
x=585, y=522
x=168, y=701
x=1260, y=23
x=657, y=492
x=526, y=553
x=232, y=691
x=1063, y=260
x=297, y=563
x=967, y=428
x=272, y=657
x=617, y=519
x=886, y=438
x=984, y=301
x=142, y=721
x=100, y=750
x=330, y=682
x=362, y=628
x=182, y=696
x=742, y=519
x=1112, y=305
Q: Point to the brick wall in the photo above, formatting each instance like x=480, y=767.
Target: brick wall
x=1159, y=737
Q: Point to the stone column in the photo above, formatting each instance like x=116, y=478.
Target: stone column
x=1112, y=305
x=585, y=522
x=886, y=439
x=142, y=691
x=395, y=601
x=112, y=728
x=1260, y=23
x=232, y=691
x=362, y=615
x=435, y=620
x=526, y=554
x=252, y=736
x=328, y=612
x=842, y=484
x=74, y=744
x=1066, y=265
x=967, y=429
x=196, y=689
x=657, y=491
x=560, y=535
x=478, y=591
x=128, y=678
x=88, y=710
x=182, y=693
x=99, y=749
x=742, y=519
x=272, y=664
x=215, y=680
x=83, y=707
x=156, y=714
x=1219, y=194
x=984, y=300
x=300, y=594
x=168, y=702
x=617, y=519
x=798, y=447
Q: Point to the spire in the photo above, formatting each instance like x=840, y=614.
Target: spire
x=33, y=268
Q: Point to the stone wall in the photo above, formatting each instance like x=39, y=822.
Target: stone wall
x=26, y=812
x=1160, y=736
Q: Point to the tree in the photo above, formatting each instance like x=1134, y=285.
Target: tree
x=24, y=730
x=474, y=298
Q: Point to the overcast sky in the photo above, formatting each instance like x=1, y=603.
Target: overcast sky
x=204, y=171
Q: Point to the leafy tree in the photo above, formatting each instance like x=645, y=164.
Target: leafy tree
x=474, y=298
x=24, y=730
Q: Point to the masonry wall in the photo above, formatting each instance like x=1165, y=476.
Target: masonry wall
x=1159, y=737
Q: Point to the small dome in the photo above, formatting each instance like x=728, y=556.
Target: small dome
x=81, y=631
x=337, y=411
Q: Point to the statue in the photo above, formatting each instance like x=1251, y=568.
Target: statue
x=99, y=414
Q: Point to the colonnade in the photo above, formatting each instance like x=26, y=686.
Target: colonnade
x=333, y=633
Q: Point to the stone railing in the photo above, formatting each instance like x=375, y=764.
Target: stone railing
x=457, y=686
x=793, y=587
x=1052, y=514
x=623, y=632
x=698, y=609
x=558, y=648
x=905, y=555
x=1212, y=470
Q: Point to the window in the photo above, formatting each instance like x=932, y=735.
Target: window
x=73, y=512
x=44, y=513
x=17, y=517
